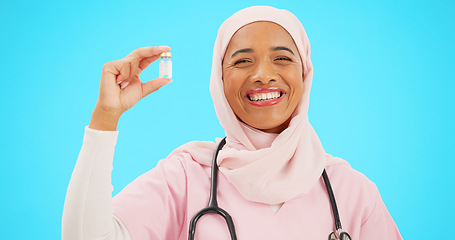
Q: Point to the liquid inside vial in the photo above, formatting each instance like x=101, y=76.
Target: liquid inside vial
x=165, y=65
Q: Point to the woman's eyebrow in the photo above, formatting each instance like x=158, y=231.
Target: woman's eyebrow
x=282, y=48
x=243, y=50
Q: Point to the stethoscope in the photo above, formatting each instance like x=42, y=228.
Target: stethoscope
x=212, y=207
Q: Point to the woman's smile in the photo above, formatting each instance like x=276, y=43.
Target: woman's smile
x=262, y=97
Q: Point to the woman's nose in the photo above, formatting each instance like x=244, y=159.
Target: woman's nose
x=264, y=73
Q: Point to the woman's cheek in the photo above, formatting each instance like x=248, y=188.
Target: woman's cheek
x=234, y=81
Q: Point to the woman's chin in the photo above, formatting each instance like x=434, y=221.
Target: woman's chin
x=270, y=127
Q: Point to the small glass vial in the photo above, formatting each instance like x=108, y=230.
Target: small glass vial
x=165, y=65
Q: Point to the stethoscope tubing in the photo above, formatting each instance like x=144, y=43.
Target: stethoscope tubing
x=336, y=215
x=213, y=204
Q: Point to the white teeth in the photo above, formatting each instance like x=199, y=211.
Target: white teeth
x=264, y=96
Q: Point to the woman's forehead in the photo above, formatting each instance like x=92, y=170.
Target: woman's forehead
x=260, y=34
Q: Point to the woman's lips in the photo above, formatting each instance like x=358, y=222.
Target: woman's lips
x=263, y=97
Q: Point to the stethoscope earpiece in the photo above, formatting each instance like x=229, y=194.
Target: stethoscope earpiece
x=343, y=236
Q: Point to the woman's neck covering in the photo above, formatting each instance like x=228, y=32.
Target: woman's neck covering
x=264, y=167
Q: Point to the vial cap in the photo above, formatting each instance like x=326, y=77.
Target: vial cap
x=166, y=54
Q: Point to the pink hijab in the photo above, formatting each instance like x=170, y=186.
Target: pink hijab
x=264, y=167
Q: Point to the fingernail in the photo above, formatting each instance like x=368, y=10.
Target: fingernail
x=122, y=86
x=119, y=82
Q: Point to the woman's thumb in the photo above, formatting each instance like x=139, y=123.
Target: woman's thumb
x=154, y=85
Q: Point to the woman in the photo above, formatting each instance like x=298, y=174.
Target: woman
x=271, y=166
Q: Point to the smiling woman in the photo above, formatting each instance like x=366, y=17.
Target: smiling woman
x=274, y=172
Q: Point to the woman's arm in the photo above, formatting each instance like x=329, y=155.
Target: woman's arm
x=88, y=212
x=379, y=224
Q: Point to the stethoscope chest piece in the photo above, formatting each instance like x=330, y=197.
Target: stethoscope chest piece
x=343, y=236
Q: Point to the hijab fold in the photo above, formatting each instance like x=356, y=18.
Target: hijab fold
x=264, y=167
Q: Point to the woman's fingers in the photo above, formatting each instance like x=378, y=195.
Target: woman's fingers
x=121, y=87
x=135, y=70
x=144, y=63
x=112, y=70
x=131, y=66
x=124, y=84
x=154, y=85
x=125, y=71
x=146, y=52
x=145, y=56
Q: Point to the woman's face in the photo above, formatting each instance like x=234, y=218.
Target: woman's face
x=263, y=76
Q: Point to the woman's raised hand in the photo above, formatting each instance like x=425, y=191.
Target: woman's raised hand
x=121, y=88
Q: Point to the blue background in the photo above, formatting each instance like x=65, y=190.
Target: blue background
x=382, y=97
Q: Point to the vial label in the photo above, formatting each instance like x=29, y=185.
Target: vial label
x=165, y=69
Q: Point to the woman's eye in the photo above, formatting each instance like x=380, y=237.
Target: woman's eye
x=283, y=59
x=241, y=61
